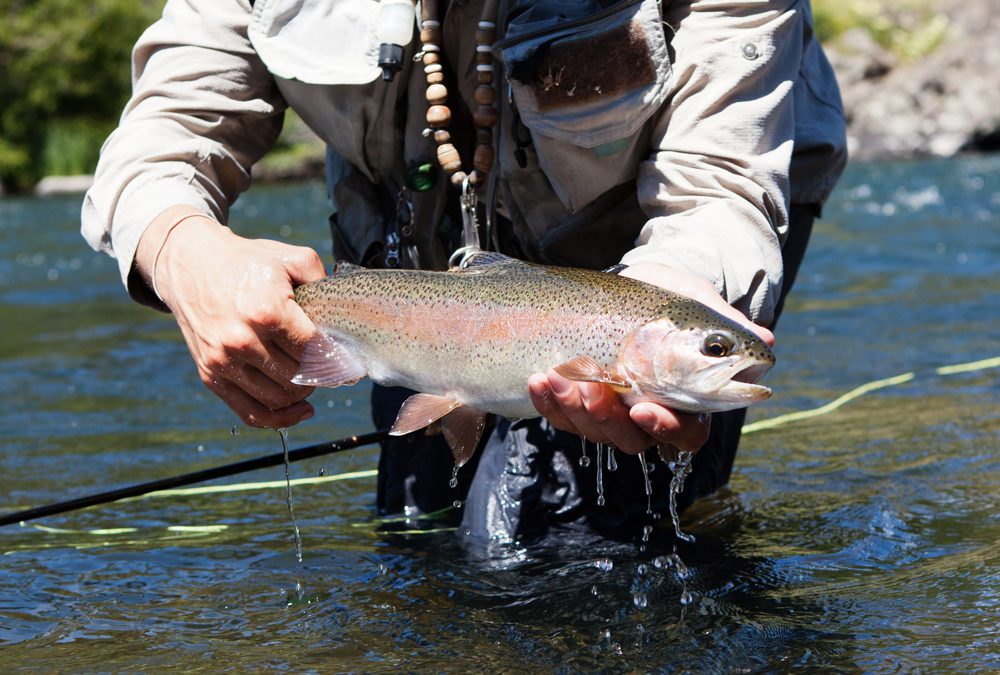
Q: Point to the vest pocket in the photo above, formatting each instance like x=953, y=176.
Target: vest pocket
x=585, y=82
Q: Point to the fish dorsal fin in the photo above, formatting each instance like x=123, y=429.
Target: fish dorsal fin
x=327, y=363
x=420, y=410
x=462, y=428
x=586, y=369
x=343, y=267
x=482, y=258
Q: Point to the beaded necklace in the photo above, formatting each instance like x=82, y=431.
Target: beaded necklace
x=439, y=114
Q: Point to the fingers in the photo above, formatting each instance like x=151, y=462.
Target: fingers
x=255, y=414
x=596, y=413
x=687, y=431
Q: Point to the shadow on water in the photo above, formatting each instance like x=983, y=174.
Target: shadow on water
x=863, y=539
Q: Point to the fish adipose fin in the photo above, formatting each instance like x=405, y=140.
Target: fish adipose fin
x=326, y=363
x=586, y=369
x=420, y=410
x=462, y=426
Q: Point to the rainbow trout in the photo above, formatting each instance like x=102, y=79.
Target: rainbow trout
x=469, y=339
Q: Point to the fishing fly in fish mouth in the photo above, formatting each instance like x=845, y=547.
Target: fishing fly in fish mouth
x=468, y=340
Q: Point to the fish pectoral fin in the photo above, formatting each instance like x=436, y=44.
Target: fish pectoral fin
x=462, y=428
x=327, y=363
x=420, y=410
x=586, y=369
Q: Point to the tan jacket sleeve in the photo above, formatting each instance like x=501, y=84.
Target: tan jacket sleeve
x=716, y=186
x=203, y=110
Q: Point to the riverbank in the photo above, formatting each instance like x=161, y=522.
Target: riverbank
x=938, y=96
x=918, y=79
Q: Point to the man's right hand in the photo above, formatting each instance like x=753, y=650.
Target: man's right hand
x=234, y=302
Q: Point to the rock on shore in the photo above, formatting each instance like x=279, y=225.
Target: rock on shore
x=946, y=102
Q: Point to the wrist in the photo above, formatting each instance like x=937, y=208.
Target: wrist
x=160, y=235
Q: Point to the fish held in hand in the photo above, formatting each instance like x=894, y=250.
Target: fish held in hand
x=469, y=339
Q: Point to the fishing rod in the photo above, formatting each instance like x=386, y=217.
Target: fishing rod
x=267, y=461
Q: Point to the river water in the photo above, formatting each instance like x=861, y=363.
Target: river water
x=867, y=538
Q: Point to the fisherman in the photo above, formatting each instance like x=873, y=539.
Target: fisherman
x=683, y=143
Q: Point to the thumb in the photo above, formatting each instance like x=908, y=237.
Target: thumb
x=303, y=265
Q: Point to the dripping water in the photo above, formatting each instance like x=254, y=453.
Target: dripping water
x=288, y=496
x=453, y=483
x=649, y=484
x=612, y=460
x=681, y=468
x=600, y=475
x=584, y=459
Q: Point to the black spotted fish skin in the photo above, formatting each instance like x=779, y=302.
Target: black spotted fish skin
x=478, y=334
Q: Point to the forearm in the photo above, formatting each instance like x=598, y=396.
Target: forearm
x=203, y=110
x=716, y=185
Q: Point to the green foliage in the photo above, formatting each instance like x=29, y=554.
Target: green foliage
x=64, y=78
x=909, y=29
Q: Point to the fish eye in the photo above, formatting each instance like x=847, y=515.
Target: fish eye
x=717, y=345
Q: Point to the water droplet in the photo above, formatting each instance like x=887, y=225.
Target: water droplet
x=604, y=564
x=600, y=475
x=234, y=431
x=642, y=569
x=639, y=599
x=457, y=503
x=382, y=569
x=612, y=460
x=593, y=590
x=453, y=483
x=348, y=403
x=201, y=448
x=322, y=471
x=617, y=649
x=681, y=469
x=584, y=461
x=686, y=598
x=605, y=634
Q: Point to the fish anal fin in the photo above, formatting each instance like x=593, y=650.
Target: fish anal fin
x=586, y=369
x=420, y=410
x=462, y=428
x=327, y=363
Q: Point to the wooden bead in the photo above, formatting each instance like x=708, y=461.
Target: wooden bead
x=442, y=136
x=486, y=36
x=430, y=34
x=458, y=178
x=485, y=116
x=435, y=78
x=484, y=136
x=436, y=94
x=484, y=58
x=485, y=95
x=448, y=158
x=431, y=57
x=483, y=159
x=484, y=75
x=438, y=116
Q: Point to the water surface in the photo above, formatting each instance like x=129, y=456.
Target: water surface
x=868, y=538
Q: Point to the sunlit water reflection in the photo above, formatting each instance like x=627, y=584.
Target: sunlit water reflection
x=863, y=539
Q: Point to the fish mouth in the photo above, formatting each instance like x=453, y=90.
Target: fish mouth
x=743, y=385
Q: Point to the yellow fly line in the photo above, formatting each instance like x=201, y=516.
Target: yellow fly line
x=761, y=425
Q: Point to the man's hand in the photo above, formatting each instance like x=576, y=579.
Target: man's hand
x=595, y=411
x=233, y=300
